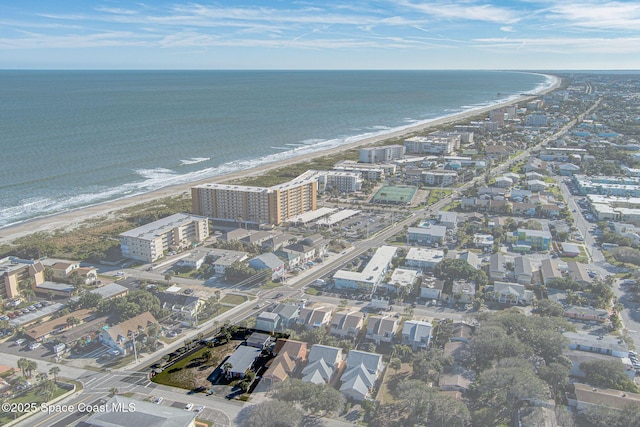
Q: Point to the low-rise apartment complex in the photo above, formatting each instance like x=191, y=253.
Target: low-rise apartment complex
x=149, y=242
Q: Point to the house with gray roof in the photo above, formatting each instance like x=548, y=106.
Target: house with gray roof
x=522, y=270
x=361, y=373
x=382, y=328
x=510, y=293
x=267, y=321
x=288, y=314
x=417, y=334
x=241, y=361
x=347, y=324
x=268, y=261
x=323, y=363
x=549, y=272
x=497, y=269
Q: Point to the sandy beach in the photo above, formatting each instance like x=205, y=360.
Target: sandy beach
x=71, y=219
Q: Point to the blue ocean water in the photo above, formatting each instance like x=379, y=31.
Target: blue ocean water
x=70, y=139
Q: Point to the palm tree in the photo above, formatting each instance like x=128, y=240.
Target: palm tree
x=22, y=365
x=42, y=377
x=113, y=391
x=55, y=370
x=30, y=367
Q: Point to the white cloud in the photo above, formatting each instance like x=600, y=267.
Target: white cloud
x=566, y=45
x=597, y=15
x=464, y=11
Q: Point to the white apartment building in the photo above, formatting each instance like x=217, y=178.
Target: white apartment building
x=345, y=182
x=382, y=154
x=440, y=177
x=149, y=242
x=442, y=146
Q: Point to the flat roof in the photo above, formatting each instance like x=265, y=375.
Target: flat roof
x=374, y=270
x=338, y=216
x=311, y=215
x=161, y=226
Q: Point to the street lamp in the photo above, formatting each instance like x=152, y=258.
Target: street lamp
x=133, y=340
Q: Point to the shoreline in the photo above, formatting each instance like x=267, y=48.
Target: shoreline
x=73, y=218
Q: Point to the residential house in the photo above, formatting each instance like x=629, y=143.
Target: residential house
x=503, y=182
x=511, y=293
x=603, y=344
x=277, y=241
x=184, y=307
x=361, y=373
x=529, y=176
x=458, y=379
x=462, y=332
x=578, y=272
x=307, y=253
x=578, y=357
x=241, y=361
x=382, y=328
x=497, y=269
x=323, y=363
x=524, y=208
x=290, y=258
x=550, y=210
x=536, y=185
x=289, y=357
x=587, y=314
x=457, y=350
x=119, y=337
x=522, y=270
x=268, y=261
x=417, y=334
x=471, y=258
x=288, y=314
x=63, y=271
x=431, y=288
x=347, y=324
x=535, y=165
x=258, y=340
x=537, y=239
x=462, y=292
x=570, y=250
x=268, y=321
x=14, y=271
x=549, y=271
x=315, y=317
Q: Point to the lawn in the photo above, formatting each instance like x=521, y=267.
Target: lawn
x=436, y=195
x=233, y=299
x=391, y=381
x=33, y=396
x=192, y=371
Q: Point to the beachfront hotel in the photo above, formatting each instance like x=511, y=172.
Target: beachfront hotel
x=149, y=242
x=259, y=205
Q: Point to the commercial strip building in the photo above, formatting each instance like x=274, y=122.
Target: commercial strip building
x=149, y=242
x=371, y=276
x=259, y=205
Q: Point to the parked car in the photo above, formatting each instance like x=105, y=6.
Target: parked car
x=34, y=345
x=157, y=400
x=198, y=409
x=188, y=406
x=19, y=341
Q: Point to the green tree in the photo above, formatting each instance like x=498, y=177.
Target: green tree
x=22, y=365
x=55, y=370
x=549, y=308
x=395, y=364
x=556, y=375
x=608, y=374
x=504, y=388
x=270, y=414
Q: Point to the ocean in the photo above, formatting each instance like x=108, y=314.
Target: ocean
x=70, y=139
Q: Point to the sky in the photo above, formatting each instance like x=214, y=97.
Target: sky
x=327, y=34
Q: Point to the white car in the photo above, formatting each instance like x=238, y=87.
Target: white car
x=198, y=409
x=157, y=400
x=188, y=406
x=34, y=345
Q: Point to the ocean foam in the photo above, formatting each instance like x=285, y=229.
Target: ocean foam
x=194, y=160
